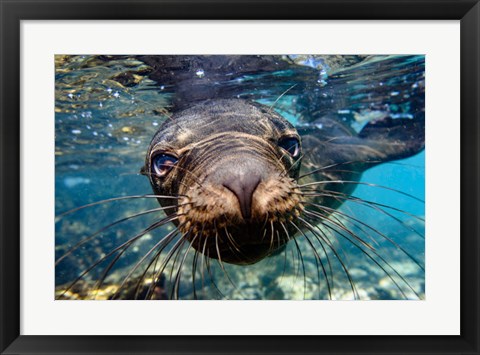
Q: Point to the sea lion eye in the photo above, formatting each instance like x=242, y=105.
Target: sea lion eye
x=163, y=163
x=291, y=145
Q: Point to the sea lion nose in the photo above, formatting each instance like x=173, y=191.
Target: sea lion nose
x=243, y=187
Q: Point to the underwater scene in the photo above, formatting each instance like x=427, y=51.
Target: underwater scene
x=240, y=177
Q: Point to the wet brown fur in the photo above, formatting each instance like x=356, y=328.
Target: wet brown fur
x=211, y=141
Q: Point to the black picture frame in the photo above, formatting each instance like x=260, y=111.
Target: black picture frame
x=13, y=12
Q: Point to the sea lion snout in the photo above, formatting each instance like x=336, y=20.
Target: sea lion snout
x=243, y=225
x=241, y=179
x=243, y=186
x=249, y=200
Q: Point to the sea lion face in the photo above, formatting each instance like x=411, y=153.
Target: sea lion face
x=233, y=164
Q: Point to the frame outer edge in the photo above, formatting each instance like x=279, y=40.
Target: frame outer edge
x=242, y=9
x=10, y=14
x=470, y=180
x=9, y=176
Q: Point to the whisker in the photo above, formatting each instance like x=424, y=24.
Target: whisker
x=207, y=264
x=178, y=244
x=377, y=263
x=172, y=267
x=372, y=229
x=341, y=197
x=295, y=163
x=326, y=220
x=194, y=265
x=301, y=258
x=295, y=266
x=368, y=203
x=99, y=283
x=353, y=172
x=284, y=154
x=317, y=260
x=126, y=244
x=111, y=200
x=279, y=238
x=337, y=164
x=103, y=229
x=176, y=287
x=221, y=263
x=195, y=178
x=347, y=273
x=378, y=207
x=278, y=98
x=232, y=241
x=360, y=183
x=203, y=257
x=298, y=263
x=161, y=244
x=154, y=279
x=284, y=264
x=194, y=270
x=270, y=248
x=154, y=261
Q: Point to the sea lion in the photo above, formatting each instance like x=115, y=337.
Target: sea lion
x=235, y=165
x=240, y=183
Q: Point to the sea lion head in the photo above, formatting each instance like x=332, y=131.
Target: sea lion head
x=233, y=164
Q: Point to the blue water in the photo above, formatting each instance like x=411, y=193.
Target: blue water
x=103, y=129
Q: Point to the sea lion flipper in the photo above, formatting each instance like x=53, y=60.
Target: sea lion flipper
x=395, y=138
x=336, y=155
x=378, y=142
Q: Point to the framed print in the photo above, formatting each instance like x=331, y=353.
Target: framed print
x=240, y=225
x=197, y=177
